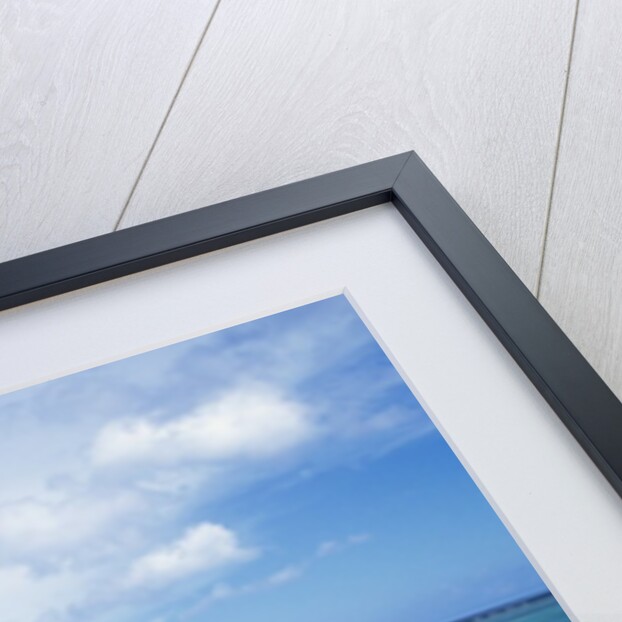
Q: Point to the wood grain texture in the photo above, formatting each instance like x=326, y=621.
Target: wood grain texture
x=582, y=271
x=282, y=91
x=84, y=87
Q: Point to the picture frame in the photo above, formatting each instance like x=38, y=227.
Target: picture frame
x=575, y=392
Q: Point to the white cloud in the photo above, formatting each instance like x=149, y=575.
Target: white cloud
x=204, y=547
x=359, y=538
x=330, y=547
x=247, y=423
x=327, y=548
x=285, y=575
x=26, y=597
x=225, y=591
x=34, y=527
x=221, y=591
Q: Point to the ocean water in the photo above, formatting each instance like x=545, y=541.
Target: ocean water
x=539, y=609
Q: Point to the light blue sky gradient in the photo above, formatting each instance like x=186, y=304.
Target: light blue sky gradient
x=279, y=470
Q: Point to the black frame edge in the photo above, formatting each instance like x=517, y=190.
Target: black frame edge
x=572, y=388
x=113, y=255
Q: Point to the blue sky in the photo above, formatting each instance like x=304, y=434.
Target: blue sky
x=277, y=470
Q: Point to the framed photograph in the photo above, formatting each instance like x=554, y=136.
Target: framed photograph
x=328, y=401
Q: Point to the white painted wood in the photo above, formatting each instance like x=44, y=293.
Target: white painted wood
x=285, y=90
x=582, y=275
x=555, y=502
x=84, y=87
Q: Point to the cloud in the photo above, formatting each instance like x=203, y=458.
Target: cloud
x=285, y=575
x=249, y=423
x=222, y=591
x=204, y=547
x=358, y=538
x=26, y=597
x=327, y=548
x=39, y=529
x=330, y=547
x=225, y=591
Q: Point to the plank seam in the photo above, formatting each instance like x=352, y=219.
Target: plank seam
x=547, y=218
x=166, y=116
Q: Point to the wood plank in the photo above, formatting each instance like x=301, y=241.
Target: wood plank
x=582, y=275
x=282, y=91
x=84, y=87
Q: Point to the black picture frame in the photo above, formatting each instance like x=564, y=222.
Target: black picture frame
x=572, y=388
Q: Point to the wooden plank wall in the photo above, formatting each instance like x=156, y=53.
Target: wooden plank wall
x=84, y=87
x=113, y=115
x=582, y=269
